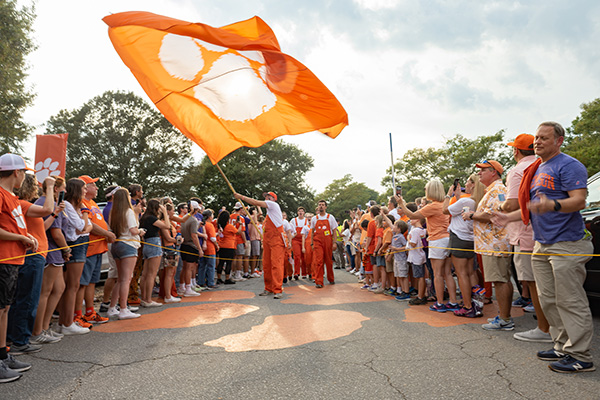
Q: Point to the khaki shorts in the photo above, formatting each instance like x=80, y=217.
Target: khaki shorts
x=389, y=264
x=523, y=266
x=496, y=269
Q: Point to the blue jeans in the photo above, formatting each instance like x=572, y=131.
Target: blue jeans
x=21, y=315
x=206, y=270
x=350, y=255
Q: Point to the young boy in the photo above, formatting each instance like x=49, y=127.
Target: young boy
x=400, y=265
x=14, y=242
x=379, y=272
x=416, y=258
x=366, y=260
x=388, y=255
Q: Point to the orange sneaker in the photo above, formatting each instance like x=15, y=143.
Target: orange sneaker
x=81, y=322
x=134, y=301
x=94, y=318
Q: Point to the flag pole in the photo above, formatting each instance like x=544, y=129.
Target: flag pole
x=241, y=202
x=393, y=170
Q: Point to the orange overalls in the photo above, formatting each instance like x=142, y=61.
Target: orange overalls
x=322, y=251
x=299, y=258
x=273, y=253
x=308, y=254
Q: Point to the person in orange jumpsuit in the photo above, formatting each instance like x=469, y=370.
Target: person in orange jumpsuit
x=324, y=231
x=273, y=243
x=299, y=260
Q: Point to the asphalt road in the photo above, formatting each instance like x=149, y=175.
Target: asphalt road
x=333, y=343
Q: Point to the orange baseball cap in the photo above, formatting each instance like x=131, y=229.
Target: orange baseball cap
x=491, y=164
x=87, y=179
x=270, y=194
x=522, y=142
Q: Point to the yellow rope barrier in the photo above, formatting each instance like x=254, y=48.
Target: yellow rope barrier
x=231, y=259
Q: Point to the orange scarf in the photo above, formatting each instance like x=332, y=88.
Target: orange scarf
x=525, y=187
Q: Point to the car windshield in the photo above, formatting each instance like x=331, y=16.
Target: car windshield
x=593, y=197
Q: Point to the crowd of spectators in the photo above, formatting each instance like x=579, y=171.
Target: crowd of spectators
x=54, y=238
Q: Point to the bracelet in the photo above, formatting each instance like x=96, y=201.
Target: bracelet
x=66, y=251
x=53, y=215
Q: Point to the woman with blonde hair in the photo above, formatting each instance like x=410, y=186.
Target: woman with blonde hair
x=439, y=239
x=461, y=240
x=124, y=224
x=53, y=282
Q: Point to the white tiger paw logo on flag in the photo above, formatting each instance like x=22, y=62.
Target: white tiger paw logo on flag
x=230, y=88
x=46, y=168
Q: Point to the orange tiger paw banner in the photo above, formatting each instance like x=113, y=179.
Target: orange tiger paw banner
x=226, y=87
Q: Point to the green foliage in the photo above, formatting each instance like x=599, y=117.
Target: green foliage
x=455, y=159
x=121, y=139
x=275, y=166
x=583, y=137
x=15, y=44
x=343, y=195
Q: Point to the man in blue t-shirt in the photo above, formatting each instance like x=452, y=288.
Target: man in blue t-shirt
x=558, y=191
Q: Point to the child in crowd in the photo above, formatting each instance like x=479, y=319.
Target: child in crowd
x=416, y=258
x=398, y=247
x=367, y=261
x=388, y=256
x=379, y=275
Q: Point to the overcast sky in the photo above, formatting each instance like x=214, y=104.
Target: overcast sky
x=422, y=70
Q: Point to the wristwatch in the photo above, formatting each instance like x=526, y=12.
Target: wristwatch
x=557, y=205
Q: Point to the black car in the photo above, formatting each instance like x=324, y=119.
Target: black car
x=591, y=216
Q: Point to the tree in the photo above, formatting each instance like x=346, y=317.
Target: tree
x=121, y=139
x=344, y=194
x=15, y=45
x=455, y=159
x=275, y=166
x=583, y=137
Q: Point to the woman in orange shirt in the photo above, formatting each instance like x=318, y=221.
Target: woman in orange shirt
x=21, y=315
x=227, y=250
x=439, y=238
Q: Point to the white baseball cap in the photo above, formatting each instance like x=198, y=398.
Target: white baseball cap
x=194, y=205
x=12, y=162
x=238, y=205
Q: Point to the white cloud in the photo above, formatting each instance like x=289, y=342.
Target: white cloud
x=421, y=70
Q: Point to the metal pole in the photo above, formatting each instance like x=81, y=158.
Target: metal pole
x=393, y=170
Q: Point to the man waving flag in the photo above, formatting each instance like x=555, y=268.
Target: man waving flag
x=227, y=87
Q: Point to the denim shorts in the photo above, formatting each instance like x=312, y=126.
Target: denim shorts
x=149, y=251
x=78, y=253
x=91, y=270
x=122, y=250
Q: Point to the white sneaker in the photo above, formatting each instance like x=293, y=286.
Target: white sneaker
x=43, y=338
x=145, y=304
x=154, y=304
x=255, y=275
x=172, y=300
x=190, y=293
x=53, y=333
x=112, y=312
x=533, y=335
x=73, y=329
x=126, y=314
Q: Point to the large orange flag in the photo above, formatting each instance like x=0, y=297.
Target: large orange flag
x=227, y=87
